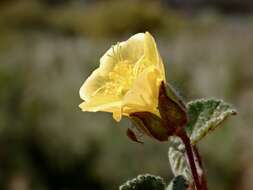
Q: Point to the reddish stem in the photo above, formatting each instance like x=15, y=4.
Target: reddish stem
x=203, y=176
x=182, y=134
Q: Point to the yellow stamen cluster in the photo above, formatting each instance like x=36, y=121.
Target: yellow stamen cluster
x=120, y=79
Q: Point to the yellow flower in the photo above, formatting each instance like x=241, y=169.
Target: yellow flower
x=127, y=80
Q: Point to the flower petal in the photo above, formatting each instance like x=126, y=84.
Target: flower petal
x=92, y=84
x=131, y=51
x=103, y=104
x=133, y=48
x=152, y=54
x=143, y=96
x=150, y=49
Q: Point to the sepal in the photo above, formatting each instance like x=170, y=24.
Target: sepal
x=131, y=135
x=151, y=125
x=171, y=107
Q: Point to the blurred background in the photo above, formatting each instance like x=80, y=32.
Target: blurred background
x=49, y=47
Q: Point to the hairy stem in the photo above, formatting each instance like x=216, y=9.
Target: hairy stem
x=202, y=176
x=182, y=134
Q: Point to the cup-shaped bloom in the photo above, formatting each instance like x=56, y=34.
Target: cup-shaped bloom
x=127, y=79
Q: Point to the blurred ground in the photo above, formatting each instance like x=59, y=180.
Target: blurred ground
x=48, y=48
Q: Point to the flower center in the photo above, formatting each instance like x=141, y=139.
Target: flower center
x=120, y=79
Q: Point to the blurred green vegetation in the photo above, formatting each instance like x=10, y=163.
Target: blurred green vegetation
x=48, y=48
x=102, y=19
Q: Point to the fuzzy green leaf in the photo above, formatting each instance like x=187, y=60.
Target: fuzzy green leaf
x=144, y=182
x=178, y=163
x=206, y=115
x=178, y=183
